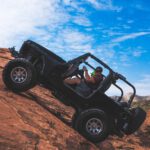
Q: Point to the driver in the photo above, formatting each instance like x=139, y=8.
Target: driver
x=89, y=82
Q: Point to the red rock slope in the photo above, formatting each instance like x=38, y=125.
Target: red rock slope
x=36, y=120
x=28, y=121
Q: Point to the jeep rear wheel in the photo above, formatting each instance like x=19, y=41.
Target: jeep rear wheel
x=19, y=75
x=92, y=124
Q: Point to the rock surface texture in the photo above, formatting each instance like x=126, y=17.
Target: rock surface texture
x=35, y=120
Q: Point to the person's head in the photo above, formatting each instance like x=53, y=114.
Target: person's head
x=98, y=69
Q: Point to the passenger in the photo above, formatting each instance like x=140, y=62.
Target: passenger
x=89, y=83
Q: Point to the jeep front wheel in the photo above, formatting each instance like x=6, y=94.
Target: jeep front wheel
x=19, y=75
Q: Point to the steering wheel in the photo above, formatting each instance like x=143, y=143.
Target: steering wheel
x=74, y=66
x=72, y=70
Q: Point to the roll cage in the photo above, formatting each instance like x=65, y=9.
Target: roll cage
x=111, y=78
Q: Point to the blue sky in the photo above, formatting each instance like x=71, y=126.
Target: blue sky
x=117, y=32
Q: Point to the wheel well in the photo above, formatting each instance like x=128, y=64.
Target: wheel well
x=109, y=113
x=38, y=63
x=95, y=106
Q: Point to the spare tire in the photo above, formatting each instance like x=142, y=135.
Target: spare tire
x=139, y=115
x=19, y=75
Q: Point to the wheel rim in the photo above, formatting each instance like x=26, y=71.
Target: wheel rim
x=94, y=126
x=19, y=74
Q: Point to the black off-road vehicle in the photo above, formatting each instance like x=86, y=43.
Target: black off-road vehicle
x=97, y=115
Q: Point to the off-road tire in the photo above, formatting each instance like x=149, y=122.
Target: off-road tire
x=80, y=124
x=74, y=118
x=137, y=120
x=30, y=80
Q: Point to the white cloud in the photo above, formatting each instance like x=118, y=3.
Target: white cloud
x=74, y=37
x=104, y=5
x=138, y=52
x=95, y=3
x=124, y=58
x=68, y=2
x=109, y=50
x=142, y=87
x=82, y=20
x=22, y=19
x=106, y=50
x=113, y=91
x=126, y=26
x=130, y=52
x=44, y=22
x=129, y=36
x=111, y=32
x=74, y=5
x=71, y=40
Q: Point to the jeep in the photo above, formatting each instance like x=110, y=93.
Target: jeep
x=97, y=115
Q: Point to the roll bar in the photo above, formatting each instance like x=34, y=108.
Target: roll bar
x=117, y=86
x=134, y=90
x=115, y=77
x=101, y=62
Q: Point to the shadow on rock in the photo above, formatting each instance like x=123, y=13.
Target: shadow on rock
x=43, y=103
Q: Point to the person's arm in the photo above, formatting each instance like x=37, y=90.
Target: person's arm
x=88, y=78
x=72, y=81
